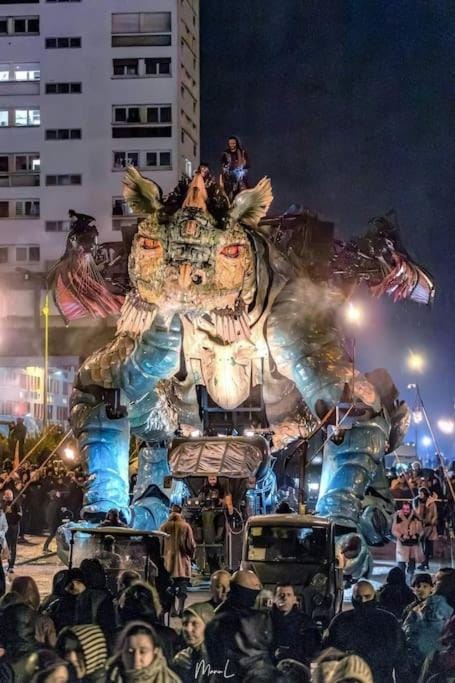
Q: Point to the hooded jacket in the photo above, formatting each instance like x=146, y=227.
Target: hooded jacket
x=17, y=635
x=395, y=595
x=92, y=645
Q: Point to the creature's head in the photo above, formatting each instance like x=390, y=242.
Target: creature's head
x=191, y=263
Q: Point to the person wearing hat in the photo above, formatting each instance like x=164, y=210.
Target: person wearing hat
x=192, y=663
x=84, y=646
x=422, y=586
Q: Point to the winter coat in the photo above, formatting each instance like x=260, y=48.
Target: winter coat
x=295, y=635
x=404, y=528
x=179, y=547
x=427, y=512
x=376, y=636
x=190, y=665
x=17, y=635
x=424, y=625
x=395, y=595
x=92, y=644
x=3, y=528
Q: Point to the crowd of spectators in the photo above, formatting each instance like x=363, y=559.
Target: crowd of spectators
x=85, y=632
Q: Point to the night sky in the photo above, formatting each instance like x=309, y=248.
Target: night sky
x=349, y=107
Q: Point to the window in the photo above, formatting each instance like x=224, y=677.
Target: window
x=19, y=26
x=126, y=67
x=26, y=162
x=64, y=180
x=27, y=207
x=3, y=254
x=20, y=117
x=63, y=134
x=160, y=66
x=124, y=159
x=120, y=207
x=60, y=43
x=142, y=114
x=57, y=226
x=142, y=132
x=28, y=254
x=20, y=72
x=158, y=159
x=141, y=28
x=63, y=88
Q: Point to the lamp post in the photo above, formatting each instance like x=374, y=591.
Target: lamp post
x=45, y=312
x=354, y=317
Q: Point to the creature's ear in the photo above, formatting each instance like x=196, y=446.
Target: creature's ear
x=142, y=194
x=251, y=205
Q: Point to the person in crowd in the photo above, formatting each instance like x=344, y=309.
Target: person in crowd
x=371, y=633
x=140, y=602
x=74, y=499
x=335, y=666
x=407, y=529
x=179, y=549
x=293, y=671
x=426, y=510
x=424, y=625
x=440, y=666
x=45, y=665
x=139, y=657
x=93, y=603
x=54, y=513
x=219, y=587
x=395, y=595
x=36, y=495
x=113, y=519
x=158, y=575
x=422, y=585
x=26, y=589
x=4, y=551
x=239, y=637
x=295, y=635
x=400, y=487
x=111, y=561
x=190, y=664
x=17, y=637
x=16, y=438
x=126, y=579
x=13, y=513
x=85, y=647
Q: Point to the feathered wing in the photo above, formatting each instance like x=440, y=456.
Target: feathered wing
x=142, y=194
x=250, y=206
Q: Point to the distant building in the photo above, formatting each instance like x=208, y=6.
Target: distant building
x=86, y=88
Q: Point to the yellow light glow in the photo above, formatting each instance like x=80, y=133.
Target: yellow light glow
x=416, y=362
x=354, y=314
x=446, y=426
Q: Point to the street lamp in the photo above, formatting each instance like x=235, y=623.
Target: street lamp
x=446, y=426
x=416, y=362
x=354, y=316
x=426, y=441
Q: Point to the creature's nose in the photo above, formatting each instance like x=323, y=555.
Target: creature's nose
x=185, y=271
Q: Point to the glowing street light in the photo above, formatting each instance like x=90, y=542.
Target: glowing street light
x=426, y=441
x=69, y=453
x=354, y=314
x=446, y=426
x=417, y=416
x=416, y=362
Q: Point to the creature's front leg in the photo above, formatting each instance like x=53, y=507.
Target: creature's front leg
x=133, y=368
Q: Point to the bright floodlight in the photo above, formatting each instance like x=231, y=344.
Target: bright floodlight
x=426, y=441
x=417, y=416
x=69, y=453
x=416, y=362
x=446, y=426
x=354, y=314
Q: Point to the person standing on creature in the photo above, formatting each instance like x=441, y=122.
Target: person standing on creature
x=234, y=167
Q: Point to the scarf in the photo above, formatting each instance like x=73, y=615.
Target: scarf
x=156, y=672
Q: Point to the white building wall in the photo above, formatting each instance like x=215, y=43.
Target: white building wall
x=91, y=111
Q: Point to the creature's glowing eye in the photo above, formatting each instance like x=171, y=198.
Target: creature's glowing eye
x=150, y=245
x=232, y=250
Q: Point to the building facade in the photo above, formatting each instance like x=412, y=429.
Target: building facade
x=86, y=88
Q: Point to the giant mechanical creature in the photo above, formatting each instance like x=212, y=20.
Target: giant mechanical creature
x=222, y=300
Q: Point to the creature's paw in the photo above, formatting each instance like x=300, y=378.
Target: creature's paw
x=355, y=556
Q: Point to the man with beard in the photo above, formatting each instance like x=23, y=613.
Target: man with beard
x=373, y=634
x=407, y=529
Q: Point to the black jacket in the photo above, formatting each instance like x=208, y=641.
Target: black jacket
x=376, y=636
x=238, y=640
x=295, y=635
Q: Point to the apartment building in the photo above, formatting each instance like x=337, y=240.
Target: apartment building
x=86, y=88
